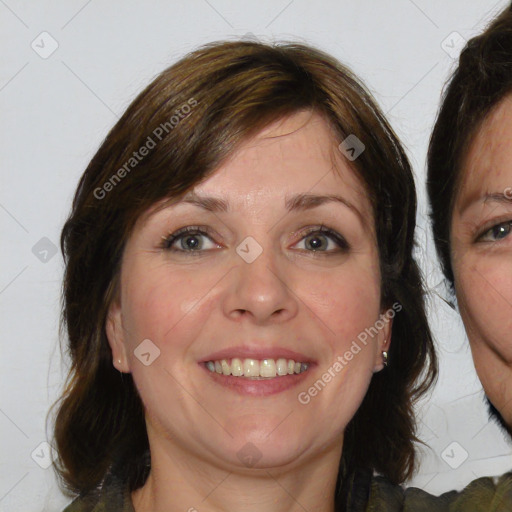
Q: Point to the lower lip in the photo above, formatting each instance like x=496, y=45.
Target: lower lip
x=251, y=387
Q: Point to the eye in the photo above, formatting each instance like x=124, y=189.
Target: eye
x=322, y=240
x=496, y=233
x=189, y=239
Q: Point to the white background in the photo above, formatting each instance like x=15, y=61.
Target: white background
x=56, y=111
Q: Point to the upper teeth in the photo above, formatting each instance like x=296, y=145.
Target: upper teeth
x=255, y=368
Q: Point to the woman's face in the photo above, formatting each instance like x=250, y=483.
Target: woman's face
x=272, y=259
x=481, y=241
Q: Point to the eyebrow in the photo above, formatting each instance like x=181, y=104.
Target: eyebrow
x=296, y=202
x=499, y=198
x=212, y=204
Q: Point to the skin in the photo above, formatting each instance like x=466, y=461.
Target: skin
x=482, y=254
x=312, y=302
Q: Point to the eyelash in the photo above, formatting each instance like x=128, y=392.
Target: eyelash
x=170, y=239
x=488, y=230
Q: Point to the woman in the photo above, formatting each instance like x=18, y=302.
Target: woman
x=237, y=257
x=470, y=191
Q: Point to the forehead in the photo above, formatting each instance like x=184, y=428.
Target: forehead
x=488, y=162
x=297, y=153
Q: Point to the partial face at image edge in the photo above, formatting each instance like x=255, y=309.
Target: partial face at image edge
x=481, y=241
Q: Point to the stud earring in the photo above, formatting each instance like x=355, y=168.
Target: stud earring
x=385, y=357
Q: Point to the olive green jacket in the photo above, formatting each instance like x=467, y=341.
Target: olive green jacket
x=481, y=495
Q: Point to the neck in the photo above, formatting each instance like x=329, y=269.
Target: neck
x=179, y=481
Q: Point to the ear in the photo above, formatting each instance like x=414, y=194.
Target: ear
x=383, y=340
x=115, y=335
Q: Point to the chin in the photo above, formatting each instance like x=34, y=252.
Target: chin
x=258, y=449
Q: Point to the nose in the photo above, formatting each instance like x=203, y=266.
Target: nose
x=260, y=291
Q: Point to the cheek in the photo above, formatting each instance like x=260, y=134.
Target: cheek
x=169, y=308
x=156, y=305
x=484, y=294
x=347, y=302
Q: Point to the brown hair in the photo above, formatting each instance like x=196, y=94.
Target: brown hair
x=482, y=79
x=234, y=89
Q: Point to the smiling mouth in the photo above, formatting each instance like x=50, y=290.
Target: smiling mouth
x=256, y=369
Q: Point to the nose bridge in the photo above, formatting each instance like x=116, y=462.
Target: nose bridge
x=260, y=286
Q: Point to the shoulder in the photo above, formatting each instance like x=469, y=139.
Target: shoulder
x=114, y=496
x=388, y=497
x=85, y=503
x=488, y=494
x=481, y=495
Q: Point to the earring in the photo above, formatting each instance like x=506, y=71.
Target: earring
x=385, y=357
